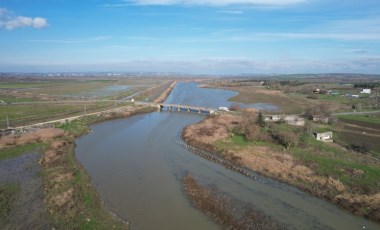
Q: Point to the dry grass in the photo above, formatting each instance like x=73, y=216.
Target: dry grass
x=42, y=135
x=284, y=167
x=211, y=129
x=222, y=208
x=65, y=198
x=7, y=141
x=361, y=204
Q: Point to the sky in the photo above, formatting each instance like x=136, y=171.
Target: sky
x=190, y=36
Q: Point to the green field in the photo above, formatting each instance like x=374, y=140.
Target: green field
x=24, y=102
x=322, y=158
x=370, y=118
x=8, y=194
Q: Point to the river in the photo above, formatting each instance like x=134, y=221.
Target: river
x=137, y=167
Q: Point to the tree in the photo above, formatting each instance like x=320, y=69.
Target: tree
x=252, y=132
x=260, y=120
x=248, y=119
x=288, y=139
x=357, y=107
x=321, y=109
x=308, y=130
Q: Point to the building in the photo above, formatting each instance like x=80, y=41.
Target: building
x=321, y=119
x=366, y=91
x=223, y=109
x=288, y=119
x=294, y=120
x=273, y=118
x=316, y=91
x=325, y=137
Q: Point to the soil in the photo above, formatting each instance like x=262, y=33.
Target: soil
x=29, y=211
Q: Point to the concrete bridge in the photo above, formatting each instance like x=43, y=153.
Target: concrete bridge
x=186, y=108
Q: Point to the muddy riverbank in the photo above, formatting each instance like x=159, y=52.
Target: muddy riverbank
x=166, y=93
x=223, y=209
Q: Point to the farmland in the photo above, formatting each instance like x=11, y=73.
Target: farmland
x=27, y=101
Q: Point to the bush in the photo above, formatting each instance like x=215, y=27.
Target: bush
x=235, y=107
x=313, y=96
x=359, y=148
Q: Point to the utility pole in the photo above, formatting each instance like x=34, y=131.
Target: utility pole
x=7, y=122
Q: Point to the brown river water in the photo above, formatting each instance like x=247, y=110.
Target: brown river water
x=137, y=167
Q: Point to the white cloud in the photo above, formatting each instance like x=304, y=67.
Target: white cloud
x=10, y=21
x=215, y=2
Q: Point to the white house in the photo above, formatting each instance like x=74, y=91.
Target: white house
x=321, y=119
x=366, y=91
x=223, y=109
x=273, y=118
x=294, y=120
x=326, y=136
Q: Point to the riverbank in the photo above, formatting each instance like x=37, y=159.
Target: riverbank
x=342, y=177
x=166, y=93
x=223, y=209
x=71, y=200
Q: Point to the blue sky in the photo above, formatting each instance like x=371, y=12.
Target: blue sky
x=191, y=36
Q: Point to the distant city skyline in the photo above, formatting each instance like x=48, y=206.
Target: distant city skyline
x=190, y=36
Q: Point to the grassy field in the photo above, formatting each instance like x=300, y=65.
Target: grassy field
x=294, y=96
x=19, y=115
x=75, y=92
x=8, y=194
x=77, y=89
x=365, y=120
x=286, y=103
x=20, y=149
x=325, y=160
